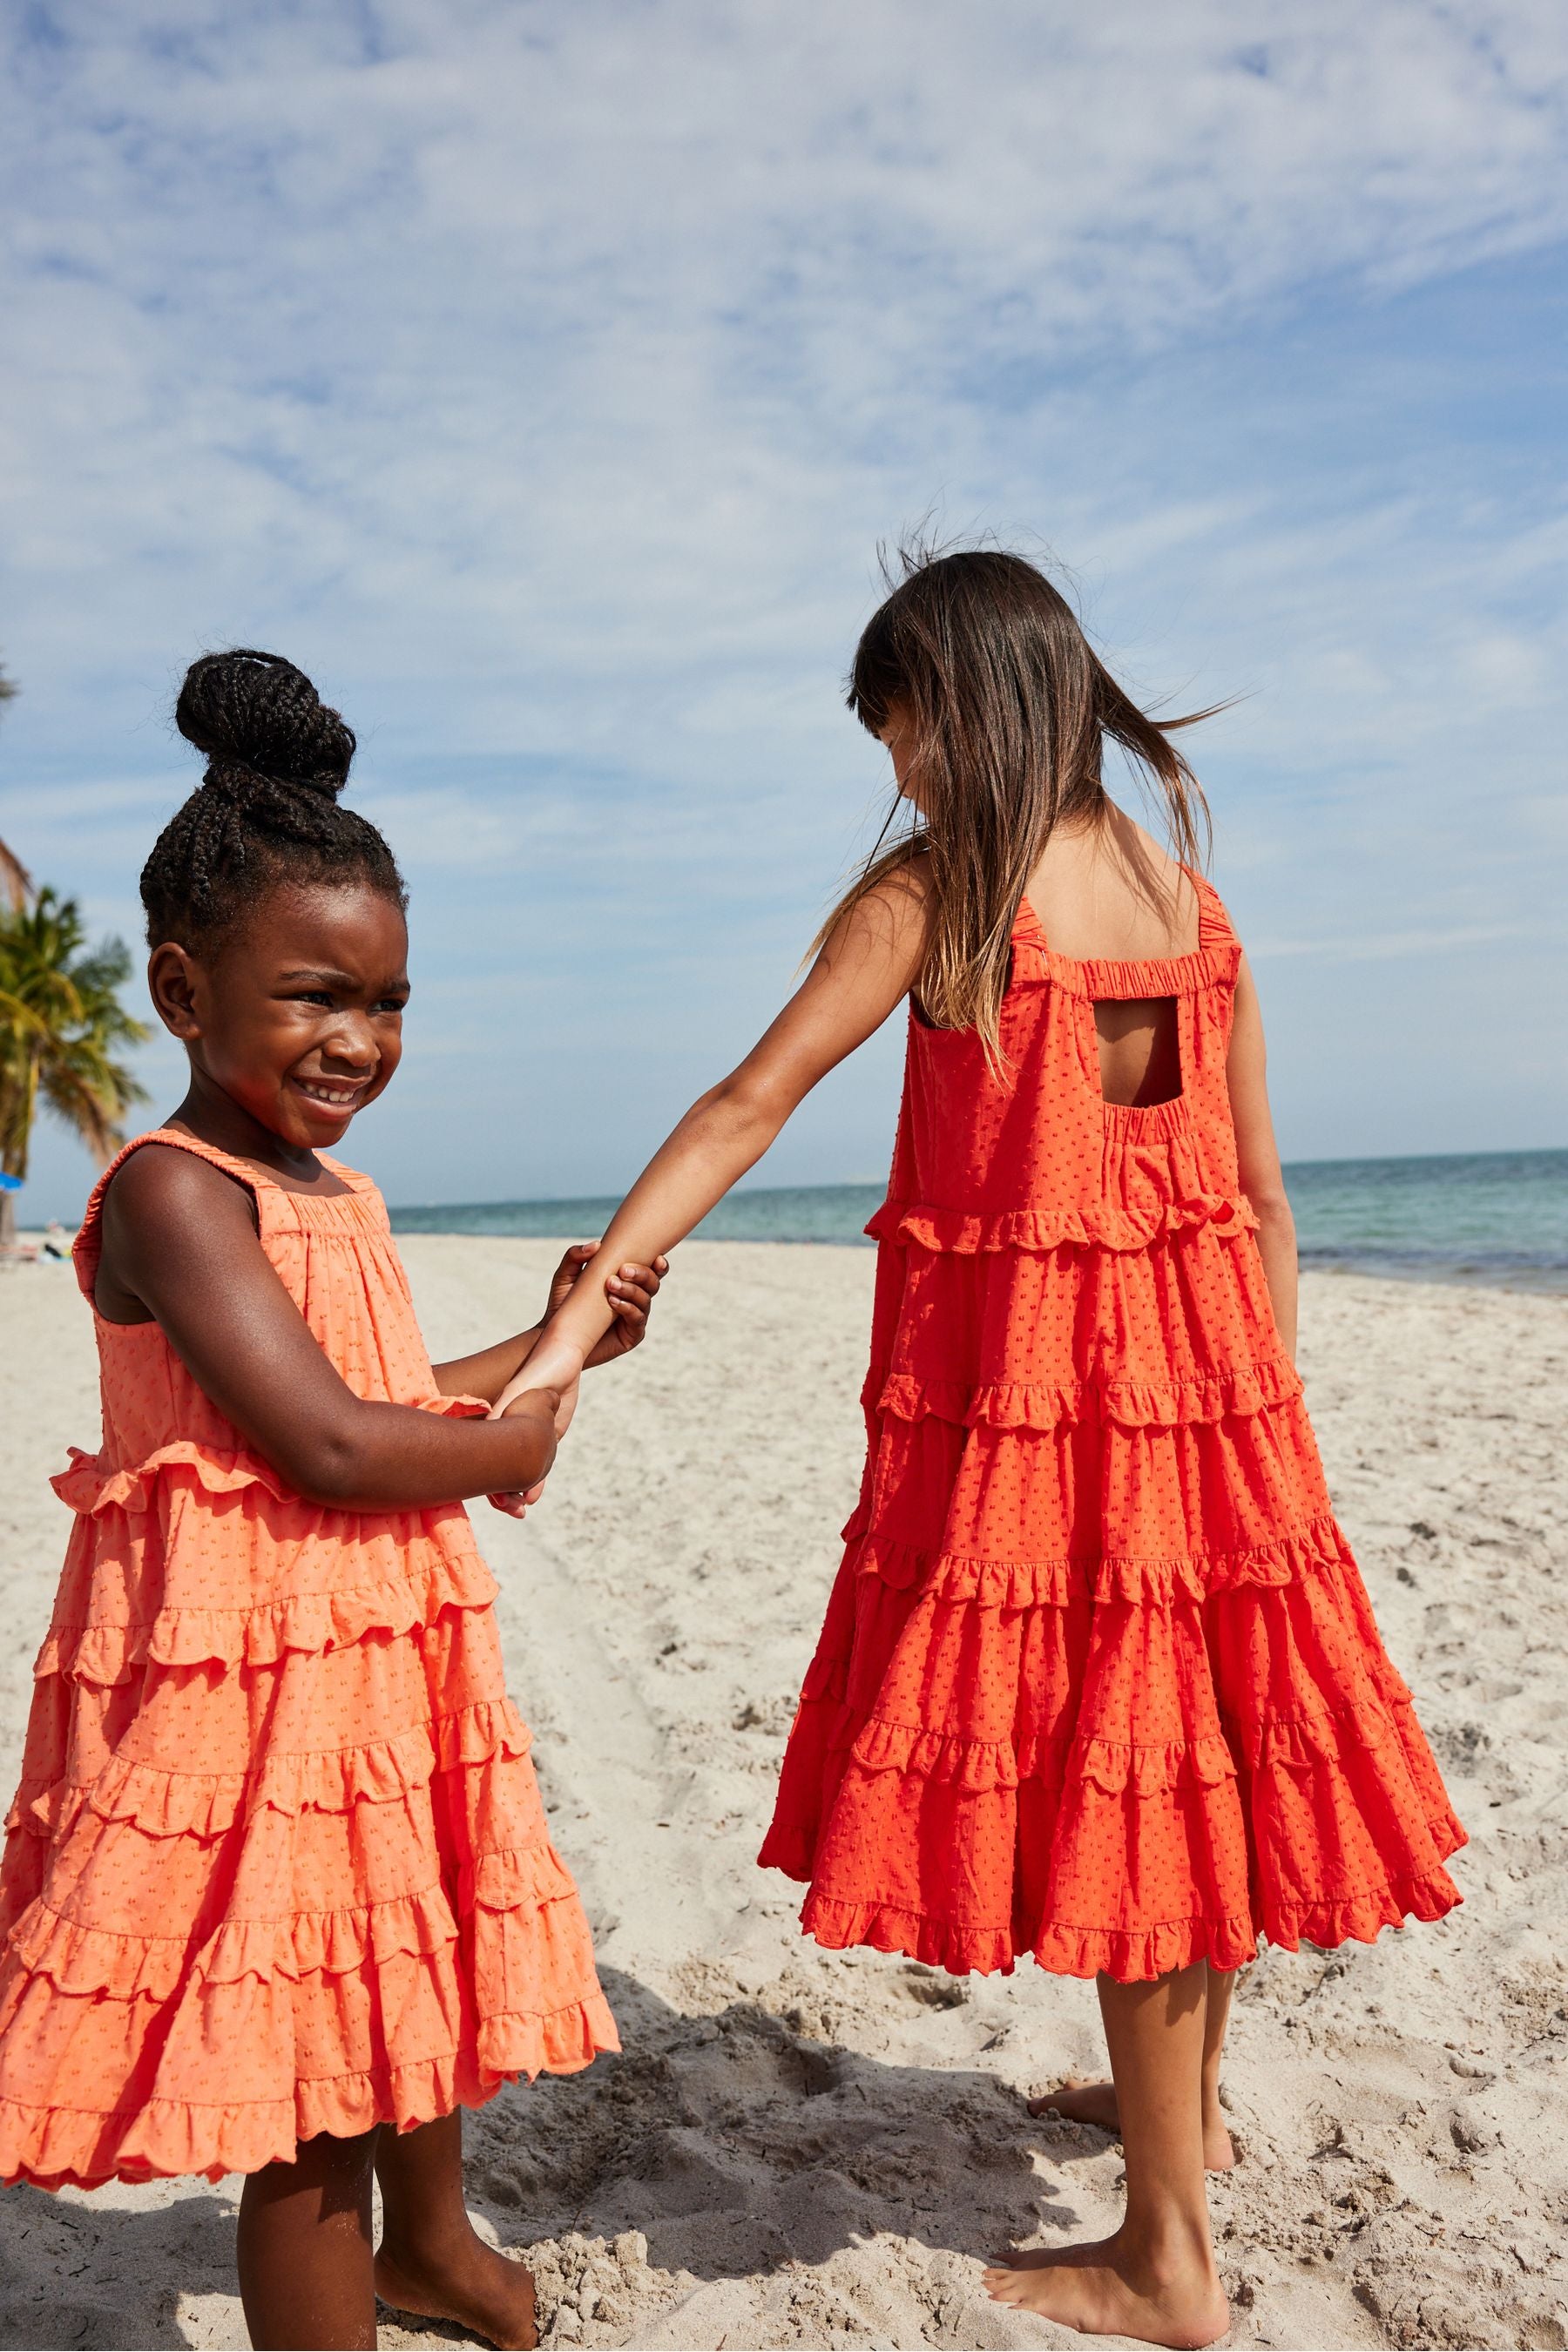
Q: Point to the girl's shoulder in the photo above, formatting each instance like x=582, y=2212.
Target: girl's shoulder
x=894, y=902
x=170, y=1196
x=168, y=1166
x=154, y=1190
x=166, y=1173
x=1122, y=896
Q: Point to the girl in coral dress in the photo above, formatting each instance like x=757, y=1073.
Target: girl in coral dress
x=1099, y=1680
x=278, y=1875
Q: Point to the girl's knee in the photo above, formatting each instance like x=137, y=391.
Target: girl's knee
x=337, y=2167
x=326, y=2154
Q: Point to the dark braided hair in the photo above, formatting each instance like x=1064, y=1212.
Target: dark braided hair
x=267, y=811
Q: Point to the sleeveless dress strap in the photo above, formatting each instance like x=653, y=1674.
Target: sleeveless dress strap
x=1214, y=927
x=354, y=1177
x=88, y=1247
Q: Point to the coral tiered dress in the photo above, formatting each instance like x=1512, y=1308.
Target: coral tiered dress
x=277, y=1865
x=1099, y=1680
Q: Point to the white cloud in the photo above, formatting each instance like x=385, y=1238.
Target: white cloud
x=515, y=300
x=542, y=376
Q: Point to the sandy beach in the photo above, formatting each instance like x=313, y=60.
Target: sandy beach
x=799, y=2148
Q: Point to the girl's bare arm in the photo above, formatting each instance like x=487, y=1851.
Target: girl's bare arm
x=179, y=1241
x=631, y=1292
x=1258, y=1155
x=869, y=963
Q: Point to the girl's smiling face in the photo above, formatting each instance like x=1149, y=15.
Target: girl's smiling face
x=296, y=1014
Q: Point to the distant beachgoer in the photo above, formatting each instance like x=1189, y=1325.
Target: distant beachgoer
x=278, y=1896
x=1099, y=1680
x=57, y=1241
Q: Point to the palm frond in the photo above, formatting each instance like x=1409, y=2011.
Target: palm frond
x=91, y=1096
x=61, y=1024
x=17, y=1013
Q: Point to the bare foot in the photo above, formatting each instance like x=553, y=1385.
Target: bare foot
x=470, y=2282
x=1095, y=2102
x=1104, y=2290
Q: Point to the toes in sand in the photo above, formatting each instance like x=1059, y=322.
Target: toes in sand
x=482, y=2289
x=1098, y=2290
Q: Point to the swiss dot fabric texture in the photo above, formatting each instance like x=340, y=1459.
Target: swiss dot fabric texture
x=1099, y=1680
x=278, y=1863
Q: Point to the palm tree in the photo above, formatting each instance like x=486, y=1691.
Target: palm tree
x=15, y=880
x=61, y=1024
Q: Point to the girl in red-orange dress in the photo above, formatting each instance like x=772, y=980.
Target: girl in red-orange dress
x=279, y=1895
x=1099, y=1680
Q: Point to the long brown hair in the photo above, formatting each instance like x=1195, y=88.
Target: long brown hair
x=1009, y=708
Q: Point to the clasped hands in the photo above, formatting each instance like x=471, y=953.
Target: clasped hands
x=553, y=1366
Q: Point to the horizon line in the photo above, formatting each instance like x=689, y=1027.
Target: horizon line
x=875, y=1183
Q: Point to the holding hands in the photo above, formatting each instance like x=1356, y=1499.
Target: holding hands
x=630, y=1293
x=544, y=1385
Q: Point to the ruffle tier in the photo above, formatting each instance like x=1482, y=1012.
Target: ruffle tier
x=1132, y=1956
x=332, y=1793
x=92, y=1484
x=1182, y=1329
x=1183, y=1777
x=259, y=1633
x=1097, y=1575
x=525, y=1890
x=1042, y=1404
x=1150, y=1213
x=1154, y=1172
x=167, y=1802
x=140, y=1585
x=1098, y=1682
x=155, y=2139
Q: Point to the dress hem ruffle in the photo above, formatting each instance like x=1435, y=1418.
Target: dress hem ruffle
x=55, y=2147
x=1129, y=1956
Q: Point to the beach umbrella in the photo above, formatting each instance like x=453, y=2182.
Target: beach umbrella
x=10, y=1183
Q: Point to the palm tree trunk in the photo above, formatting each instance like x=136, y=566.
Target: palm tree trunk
x=13, y=1144
x=15, y=882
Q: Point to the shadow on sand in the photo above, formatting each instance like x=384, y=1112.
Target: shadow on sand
x=737, y=2141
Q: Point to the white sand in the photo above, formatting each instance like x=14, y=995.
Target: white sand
x=820, y=2149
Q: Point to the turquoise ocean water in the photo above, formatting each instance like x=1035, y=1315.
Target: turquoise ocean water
x=1496, y=1217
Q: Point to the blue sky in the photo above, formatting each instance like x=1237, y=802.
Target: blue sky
x=542, y=377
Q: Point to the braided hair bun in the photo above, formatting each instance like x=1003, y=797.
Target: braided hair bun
x=257, y=712
x=267, y=812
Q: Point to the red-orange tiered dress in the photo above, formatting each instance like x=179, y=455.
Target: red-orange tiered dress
x=278, y=1863
x=1099, y=1680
